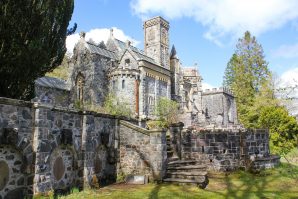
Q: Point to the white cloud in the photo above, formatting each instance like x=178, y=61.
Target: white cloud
x=287, y=51
x=98, y=35
x=206, y=86
x=289, y=78
x=224, y=17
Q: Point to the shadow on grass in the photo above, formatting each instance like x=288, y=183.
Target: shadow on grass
x=280, y=182
x=155, y=191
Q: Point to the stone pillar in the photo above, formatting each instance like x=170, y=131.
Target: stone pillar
x=175, y=136
x=158, y=153
x=169, y=89
x=155, y=91
x=137, y=83
x=87, y=152
x=141, y=93
x=42, y=149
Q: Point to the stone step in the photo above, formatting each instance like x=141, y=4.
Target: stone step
x=179, y=180
x=172, y=159
x=187, y=168
x=198, y=178
x=183, y=173
x=182, y=162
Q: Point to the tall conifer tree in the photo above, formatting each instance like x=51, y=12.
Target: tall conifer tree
x=246, y=71
x=32, y=42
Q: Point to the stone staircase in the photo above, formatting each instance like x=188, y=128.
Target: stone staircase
x=184, y=171
x=169, y=148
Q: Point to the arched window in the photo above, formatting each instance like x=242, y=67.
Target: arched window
x=151, y=100
x=114, y=85
x=80, y=80
x=123, y=84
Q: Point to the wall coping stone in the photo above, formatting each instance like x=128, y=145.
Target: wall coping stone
x=15, y=102
x=72, y=110
x=228, y=130
x=140, y=129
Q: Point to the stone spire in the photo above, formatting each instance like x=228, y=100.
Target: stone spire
x=173, y=53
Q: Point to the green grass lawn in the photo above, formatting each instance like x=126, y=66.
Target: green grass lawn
x=292, y=157
x=276, y=183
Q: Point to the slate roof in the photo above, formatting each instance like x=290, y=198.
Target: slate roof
x=52, y=82
x=101, y=51
x=139, y=53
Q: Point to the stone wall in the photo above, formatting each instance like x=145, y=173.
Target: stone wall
x=45, y=148
x=225, y=149
x=16, y=149
x=124, y=87
x=92, y=68
x=149, y=95
x=153, y=90
x=142, y=152
x=219, y=107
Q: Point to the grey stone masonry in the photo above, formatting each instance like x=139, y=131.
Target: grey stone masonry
x=16, y=153
x=226, y=149
x=45, y=148
x=142, y=152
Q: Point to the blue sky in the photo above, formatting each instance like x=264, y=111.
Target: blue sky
x=203, y=32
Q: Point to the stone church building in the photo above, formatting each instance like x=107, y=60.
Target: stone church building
x=48, y=146
x=139, y=78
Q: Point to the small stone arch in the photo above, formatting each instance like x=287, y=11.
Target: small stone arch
x=63, y=168
x=99, y=165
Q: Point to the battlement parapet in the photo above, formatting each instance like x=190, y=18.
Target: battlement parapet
x=218, y=90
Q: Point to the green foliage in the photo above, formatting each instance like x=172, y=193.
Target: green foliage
x=114, y=106
x=120, y=177
x=248, y=76
x=283, y=128
x=156, y=124
x=166, y=111
x=32, y=42
x=62, y=71
x=246, y=72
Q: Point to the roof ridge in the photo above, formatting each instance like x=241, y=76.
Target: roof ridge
x=99, y=47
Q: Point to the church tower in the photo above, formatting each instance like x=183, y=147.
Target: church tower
x=157, y=40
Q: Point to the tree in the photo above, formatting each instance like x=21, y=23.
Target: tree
x=246, y=71
x=283, y=128
x=115, y=106
x=247, y=75
x=166, y=112
x=32, y=42
x=62, y=71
